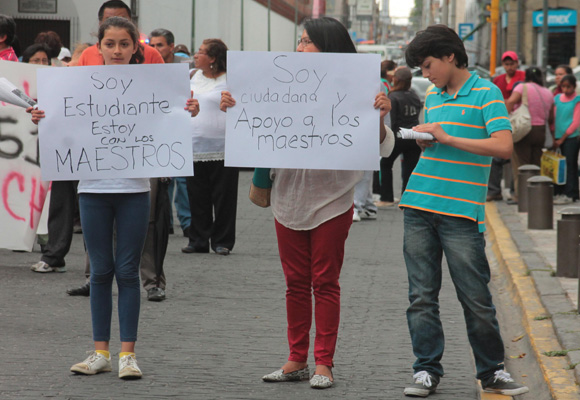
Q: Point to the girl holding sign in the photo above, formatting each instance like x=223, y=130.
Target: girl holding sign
x=313, y=212
x=123, y=204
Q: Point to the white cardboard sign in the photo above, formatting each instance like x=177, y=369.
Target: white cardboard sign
x=125, y=121
x=22, y=193
x=303, y=110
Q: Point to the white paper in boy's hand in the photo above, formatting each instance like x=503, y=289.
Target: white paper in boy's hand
x=405, y=133
x=11, y=94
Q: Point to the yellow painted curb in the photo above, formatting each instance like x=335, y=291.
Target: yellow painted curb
x=491, y=396
x=560, y=379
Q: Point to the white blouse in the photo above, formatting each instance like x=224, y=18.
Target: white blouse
x=117, y=185
x=209, y=126
x=303, y=199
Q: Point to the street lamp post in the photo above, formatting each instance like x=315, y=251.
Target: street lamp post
x=545, y=37
x=494, y=21
x=269, y=12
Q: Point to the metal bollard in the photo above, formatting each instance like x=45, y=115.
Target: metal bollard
x=568, y=242
x=525, y=172
x=578, y=258
x=540, y=203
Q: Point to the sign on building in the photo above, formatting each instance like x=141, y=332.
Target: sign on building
x=464, y=30
x=556, y=18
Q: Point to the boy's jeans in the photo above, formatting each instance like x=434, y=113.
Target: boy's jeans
x=427, y=237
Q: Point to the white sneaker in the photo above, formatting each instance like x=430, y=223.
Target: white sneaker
x=368, y=214
x=128, y=368
x=355, y=216
x=43, y=267
x=563, y=199
x=94, y=364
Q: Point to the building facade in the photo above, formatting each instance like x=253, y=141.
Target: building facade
x=522, y=30
x=241, y=24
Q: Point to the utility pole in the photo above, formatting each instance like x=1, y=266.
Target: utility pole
x=452, y=13
x=494, y=14
x=242, y=27
x=445, y=13
x=269, y=12
x=295, y=23
x=545, y=37
x=520, y=23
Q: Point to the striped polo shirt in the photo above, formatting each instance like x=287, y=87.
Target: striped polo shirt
x=447, y=180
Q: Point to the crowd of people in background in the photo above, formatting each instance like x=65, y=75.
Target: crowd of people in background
x=313, y=209
x=555, y=125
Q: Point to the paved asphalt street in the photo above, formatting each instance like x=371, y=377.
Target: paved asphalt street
x=223, y=324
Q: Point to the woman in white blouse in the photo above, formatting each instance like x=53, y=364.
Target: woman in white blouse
x=213, y=190
x=313, y=212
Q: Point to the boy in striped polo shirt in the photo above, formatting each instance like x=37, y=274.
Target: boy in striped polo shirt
x=444, y=210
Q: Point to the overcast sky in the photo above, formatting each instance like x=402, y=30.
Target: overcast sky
x=400, y=9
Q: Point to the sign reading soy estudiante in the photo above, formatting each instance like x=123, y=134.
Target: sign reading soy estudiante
x=123, y=121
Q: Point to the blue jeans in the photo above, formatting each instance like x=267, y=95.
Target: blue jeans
x=427, y=237
x=570, y=148
x=100, y=214
x=181, y=201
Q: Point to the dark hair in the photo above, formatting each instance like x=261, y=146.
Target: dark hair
x=52, y=40
x=218, y=50
x=404, y=77
x=329, y=35
x=169, y=38
x=123, y=23
x=534, y=74
x=436, y=41
x=571, y=79
x=113, y=4
x=8, y=28
x=565, y=68
x=33, y=49
x=386, y=66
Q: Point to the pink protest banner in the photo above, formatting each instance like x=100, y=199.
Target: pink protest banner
x=21, y=190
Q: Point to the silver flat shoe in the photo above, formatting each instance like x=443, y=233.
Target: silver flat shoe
x=279, y=376
x=320, y=382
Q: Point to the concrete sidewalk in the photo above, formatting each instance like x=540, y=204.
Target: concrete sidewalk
x=223, y=324
x=549, y=303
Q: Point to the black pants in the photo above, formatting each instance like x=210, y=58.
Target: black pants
x=411, y=153
x=61, y=215
x=153, y=257
x=213, y=201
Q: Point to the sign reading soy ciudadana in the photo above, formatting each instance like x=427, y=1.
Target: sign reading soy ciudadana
x=124, y=121
x=303, y=110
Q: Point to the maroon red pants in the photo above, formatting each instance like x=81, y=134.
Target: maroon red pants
x=312, y=260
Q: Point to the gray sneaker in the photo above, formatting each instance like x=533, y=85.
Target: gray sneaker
x=562, y=199
x=43, y=267
x=502, y=383
x=423, y=385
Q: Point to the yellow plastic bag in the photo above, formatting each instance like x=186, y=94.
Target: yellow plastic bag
x=553, y=165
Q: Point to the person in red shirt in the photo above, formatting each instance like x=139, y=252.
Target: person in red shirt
x=505, y=82
x=7, y=29
x=116, y=8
